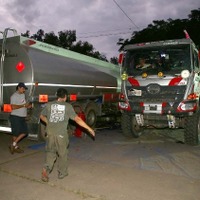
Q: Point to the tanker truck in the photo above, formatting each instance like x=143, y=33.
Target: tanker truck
x=93, y=85
x=161, y=88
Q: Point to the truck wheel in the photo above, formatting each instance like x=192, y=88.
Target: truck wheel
x=91, y=116
x=192, y=129
x=130, y=128
x=126, y=125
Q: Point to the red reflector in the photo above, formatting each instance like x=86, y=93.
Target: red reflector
x=73, y=97
x=121, y=57
x=107, y=97
x=175, y=81
x=133, y=81
x=29, y=42
x=20, y=66
x=7, y=108
x=122, y=96
x=141, y=104
x=43, y=98
x=141, y=44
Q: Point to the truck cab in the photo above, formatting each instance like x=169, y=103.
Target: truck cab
x=161, y=88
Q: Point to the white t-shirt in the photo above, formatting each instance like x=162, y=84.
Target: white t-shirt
x=18, y=99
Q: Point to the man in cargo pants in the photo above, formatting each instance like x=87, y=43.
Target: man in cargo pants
x=56, y=115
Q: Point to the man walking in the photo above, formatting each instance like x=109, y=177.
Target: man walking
x=17, y=117
x=56, y=115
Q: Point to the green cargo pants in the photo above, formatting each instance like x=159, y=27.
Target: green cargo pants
x=57, y=148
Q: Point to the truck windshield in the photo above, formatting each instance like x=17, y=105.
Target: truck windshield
x=167, y=59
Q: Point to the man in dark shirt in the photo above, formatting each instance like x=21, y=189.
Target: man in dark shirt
x=56, y=115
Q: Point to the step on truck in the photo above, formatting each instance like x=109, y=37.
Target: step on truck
x=93, y=85
x=161, y=88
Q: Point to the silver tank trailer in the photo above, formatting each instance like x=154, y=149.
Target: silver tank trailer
x=52, y=67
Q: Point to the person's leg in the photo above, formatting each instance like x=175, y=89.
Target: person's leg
x=20, y=130
x=62, y=149
x=50, y=157
x=17, y=149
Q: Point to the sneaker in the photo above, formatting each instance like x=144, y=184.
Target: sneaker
x=61, y=176
x=18, y=150
x=45, y=174
x=11, y=148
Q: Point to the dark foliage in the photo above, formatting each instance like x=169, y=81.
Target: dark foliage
x=164, y=30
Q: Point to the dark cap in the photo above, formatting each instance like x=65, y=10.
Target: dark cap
x=22, y=85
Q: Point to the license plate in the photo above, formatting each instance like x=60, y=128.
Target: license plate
x=152, y=108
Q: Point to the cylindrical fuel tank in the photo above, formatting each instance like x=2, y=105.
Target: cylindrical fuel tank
x=79, y=77
x=51, y=67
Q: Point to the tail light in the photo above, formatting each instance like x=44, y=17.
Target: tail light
x=73, y=97
x=7, y=108
x=43, y=98
x=187, y=106
x=124, y=106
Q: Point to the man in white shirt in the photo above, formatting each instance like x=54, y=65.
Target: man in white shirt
x=17, y=117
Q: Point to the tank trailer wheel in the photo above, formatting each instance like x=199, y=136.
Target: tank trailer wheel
x=192, y=129
x=91, y=116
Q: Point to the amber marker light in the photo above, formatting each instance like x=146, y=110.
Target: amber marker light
x=144, y=75
x=124, y=76
x=160, y=74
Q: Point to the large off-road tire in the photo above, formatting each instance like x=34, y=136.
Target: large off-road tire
x=130, y=128
x=192, y=129
x=91, y=115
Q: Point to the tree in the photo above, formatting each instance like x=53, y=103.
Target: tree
x=67, y=39
x=39, y=35
x=114, y=60
x=27, y=34
x=195, y=15
x=51, y=38
x=165, y=30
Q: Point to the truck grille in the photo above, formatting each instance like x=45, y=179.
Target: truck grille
x=156, y=93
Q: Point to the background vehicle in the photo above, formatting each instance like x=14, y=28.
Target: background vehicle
x=166, y=93
x=93, y=85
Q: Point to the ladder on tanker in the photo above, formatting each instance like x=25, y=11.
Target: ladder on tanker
x=3, y=51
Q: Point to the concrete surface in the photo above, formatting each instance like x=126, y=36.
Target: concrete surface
x=154, y=167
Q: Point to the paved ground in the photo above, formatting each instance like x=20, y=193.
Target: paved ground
x=154, y=167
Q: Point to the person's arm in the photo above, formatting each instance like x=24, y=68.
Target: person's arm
x=15, y=106
x=43, y=118
x=80, y=122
